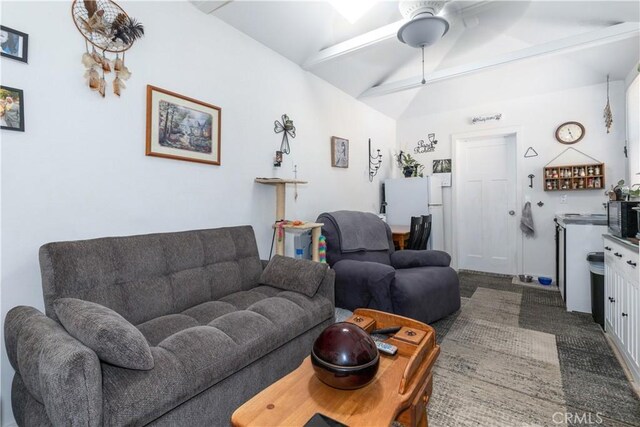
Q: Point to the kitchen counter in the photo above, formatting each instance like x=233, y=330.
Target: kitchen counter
x=571, y=218
x=627, y=242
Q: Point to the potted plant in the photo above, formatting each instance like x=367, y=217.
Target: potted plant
x=410, y=166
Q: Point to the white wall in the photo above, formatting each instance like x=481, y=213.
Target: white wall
x=537, y=117
x=79, y=171
x=632, y=83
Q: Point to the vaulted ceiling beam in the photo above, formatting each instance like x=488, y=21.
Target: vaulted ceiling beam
x=352, y=45
x=378, y=35
x=210, y=6
x=594, y=38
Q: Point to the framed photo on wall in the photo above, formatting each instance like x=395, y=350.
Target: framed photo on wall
x=182, y=128
x=339, y=152
x=442, y=167
x=14, y=44
x=11, y=108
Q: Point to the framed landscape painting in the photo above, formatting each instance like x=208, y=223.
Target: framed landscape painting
x=182, y=128
x=339, y=152
x=11, y=108
x=14, y=44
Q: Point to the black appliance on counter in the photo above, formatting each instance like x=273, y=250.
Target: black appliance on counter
x=622, y=220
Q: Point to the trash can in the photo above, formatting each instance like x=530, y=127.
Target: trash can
x=596, y=267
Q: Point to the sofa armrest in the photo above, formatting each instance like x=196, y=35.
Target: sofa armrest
x=327, y=287
x=364, y=284
x=57, y=370
x=412, y=259
x=290, y=274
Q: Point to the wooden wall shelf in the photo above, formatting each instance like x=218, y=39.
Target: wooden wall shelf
x=574, y=177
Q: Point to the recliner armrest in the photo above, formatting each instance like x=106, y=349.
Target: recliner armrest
x=364, y=284
x=412, y=259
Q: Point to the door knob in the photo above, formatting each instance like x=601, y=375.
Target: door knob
x=512, y=212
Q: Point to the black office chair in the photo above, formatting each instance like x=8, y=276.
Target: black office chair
x=415, y=232
x=425, y=233
x=419, y=232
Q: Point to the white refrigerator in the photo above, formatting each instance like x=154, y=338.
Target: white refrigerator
x=407, y=197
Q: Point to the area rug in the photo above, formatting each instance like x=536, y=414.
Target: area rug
x=513, y=356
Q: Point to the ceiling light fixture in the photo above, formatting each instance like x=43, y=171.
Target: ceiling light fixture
x=423, y=27
x=352, y=10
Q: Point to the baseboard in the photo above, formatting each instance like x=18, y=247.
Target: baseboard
x=623, y=362
x=484, y=273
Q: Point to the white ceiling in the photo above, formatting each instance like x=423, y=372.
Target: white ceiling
x=573, y=43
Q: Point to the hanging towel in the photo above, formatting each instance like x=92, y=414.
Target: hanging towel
x=526, y=222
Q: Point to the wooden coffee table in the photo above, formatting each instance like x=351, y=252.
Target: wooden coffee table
x=400, y=390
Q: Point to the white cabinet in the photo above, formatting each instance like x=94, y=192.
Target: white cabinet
x=622, y=301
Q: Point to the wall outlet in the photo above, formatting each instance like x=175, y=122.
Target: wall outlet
x=563, y=199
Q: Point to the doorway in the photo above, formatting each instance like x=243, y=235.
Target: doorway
x=486, y=211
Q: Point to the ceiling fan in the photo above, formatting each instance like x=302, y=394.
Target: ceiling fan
x=423, y=27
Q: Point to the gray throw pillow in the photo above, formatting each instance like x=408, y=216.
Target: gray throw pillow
x=111, y=336
x=299, y=275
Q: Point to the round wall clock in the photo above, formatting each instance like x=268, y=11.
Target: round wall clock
x=570, y=133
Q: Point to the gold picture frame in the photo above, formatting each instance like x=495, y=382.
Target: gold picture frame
x=182, y=128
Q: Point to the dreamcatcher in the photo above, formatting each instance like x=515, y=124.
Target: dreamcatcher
x=107, y=28
x=287, y=129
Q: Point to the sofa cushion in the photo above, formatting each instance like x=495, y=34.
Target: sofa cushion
x=114, y=340
x=148, y=276
x=299, y=275
x=228, y=337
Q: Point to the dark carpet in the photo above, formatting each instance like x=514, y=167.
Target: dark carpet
x=513, y=356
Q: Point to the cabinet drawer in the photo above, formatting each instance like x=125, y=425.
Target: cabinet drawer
x=622, y=259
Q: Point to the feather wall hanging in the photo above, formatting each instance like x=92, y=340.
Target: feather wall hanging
x=608, y=116
x=106, y=27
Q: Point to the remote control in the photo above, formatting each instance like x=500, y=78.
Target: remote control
x=386, y=348
x=387, y=331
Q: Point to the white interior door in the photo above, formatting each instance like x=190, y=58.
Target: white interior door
x=487, y=216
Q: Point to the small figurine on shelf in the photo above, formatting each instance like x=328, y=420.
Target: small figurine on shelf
x=597, y=170
x=322, y=249
x=590, y=170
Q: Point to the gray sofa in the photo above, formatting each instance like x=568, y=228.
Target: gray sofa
x=207, y=336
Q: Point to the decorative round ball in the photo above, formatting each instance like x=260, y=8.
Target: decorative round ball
x=344, y=356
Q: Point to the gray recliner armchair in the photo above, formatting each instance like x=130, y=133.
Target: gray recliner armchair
x=418, y=284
